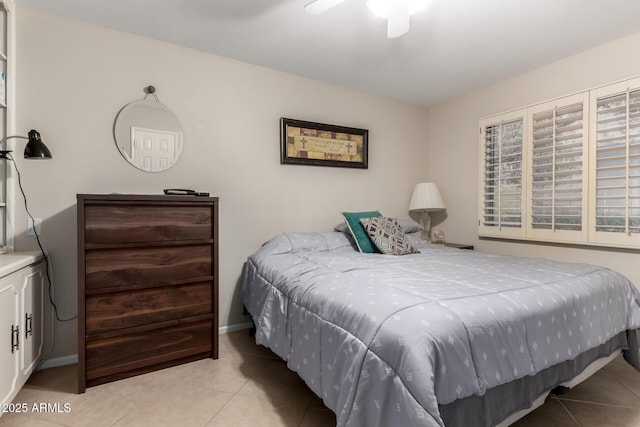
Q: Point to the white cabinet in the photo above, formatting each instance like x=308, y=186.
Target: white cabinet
x=9, y=305
x=22, y=290
x=32, y=310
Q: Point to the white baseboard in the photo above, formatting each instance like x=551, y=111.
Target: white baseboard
x=233, y=328
x=73, y=358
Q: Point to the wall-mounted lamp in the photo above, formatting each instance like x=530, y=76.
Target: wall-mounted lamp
x=35, y=149
x=426, y=198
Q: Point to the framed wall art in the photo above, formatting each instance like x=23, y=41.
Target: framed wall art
x=319, y=144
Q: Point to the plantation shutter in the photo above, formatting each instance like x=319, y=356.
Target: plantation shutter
x=617, y=171
x=558, y=174
x=501, y=177
x=565, y=170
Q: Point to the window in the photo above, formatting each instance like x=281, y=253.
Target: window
x=502, y=177
x=558, y=152
x=565, y=171
x=615, y=179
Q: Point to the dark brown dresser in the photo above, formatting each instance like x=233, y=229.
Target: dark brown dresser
x=147, y=283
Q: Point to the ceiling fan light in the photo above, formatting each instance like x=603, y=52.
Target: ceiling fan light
x=416, y=6
x=379, y=7
x=398, y=21
x=382, y=7
x=317, y=7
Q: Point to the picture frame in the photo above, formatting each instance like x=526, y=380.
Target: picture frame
x=320, y=144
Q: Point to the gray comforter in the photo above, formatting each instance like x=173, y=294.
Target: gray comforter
x=385, y=340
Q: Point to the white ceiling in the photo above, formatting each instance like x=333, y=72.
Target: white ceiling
x=454, y=46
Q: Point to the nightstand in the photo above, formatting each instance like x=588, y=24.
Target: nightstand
x=459, y=246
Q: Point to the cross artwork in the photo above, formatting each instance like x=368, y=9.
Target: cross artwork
x=348, y=147
x=322, y=144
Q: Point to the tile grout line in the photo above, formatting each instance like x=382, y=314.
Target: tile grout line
x=613, y=378
x=118, y=420
x=307, y=407
x=569, y=412
x=623, y=384
x=587, y=402
x=220, y=410
x=236, y=393
x=304, y=414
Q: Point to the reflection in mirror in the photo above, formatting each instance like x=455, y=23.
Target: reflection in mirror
x=148, y=134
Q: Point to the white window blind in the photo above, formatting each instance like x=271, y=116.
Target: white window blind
x=558, y=175
x=617, y=172
x=577, y=160
x=502, y=183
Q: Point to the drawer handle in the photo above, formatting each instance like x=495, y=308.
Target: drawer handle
x=15, y=338
x=28, y=324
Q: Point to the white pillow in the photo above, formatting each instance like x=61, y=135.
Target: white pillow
x=407, y=224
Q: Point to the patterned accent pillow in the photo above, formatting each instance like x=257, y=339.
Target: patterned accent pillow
x=388, y=236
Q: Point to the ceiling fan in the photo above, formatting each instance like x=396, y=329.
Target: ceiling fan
x=397, y=12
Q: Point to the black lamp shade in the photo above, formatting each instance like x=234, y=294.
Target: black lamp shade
x=36, y=149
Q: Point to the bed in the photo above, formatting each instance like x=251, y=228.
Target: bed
x=440, y=337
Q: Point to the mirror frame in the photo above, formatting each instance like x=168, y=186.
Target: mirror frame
x=148, y=117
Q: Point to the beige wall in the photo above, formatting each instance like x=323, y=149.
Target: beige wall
x=453, y=145
x=74, y=77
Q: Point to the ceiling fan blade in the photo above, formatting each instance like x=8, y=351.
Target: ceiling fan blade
x=398, y=21
x=316, y=7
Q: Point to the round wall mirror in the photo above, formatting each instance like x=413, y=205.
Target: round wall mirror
x=148, y=134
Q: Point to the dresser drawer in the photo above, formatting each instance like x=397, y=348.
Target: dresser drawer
x=132, y=267
x=113, y=223
x=120, y=354
x=128, y=309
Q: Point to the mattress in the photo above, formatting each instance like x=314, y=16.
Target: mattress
x=406, y=340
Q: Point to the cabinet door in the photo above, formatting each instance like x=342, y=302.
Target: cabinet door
x=31, y=293
x=8, y=352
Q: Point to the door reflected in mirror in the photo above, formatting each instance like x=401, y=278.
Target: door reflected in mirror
x=149, y=135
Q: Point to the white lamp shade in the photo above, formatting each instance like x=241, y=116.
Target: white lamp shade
x=426, y=197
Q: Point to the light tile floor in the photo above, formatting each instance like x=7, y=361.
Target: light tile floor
x=250, y=386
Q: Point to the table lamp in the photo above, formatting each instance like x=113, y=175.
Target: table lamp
x=426, y=198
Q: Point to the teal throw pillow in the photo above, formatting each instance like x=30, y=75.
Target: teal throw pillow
x=364, y=242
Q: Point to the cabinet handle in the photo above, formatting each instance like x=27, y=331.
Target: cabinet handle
x=15, y=338
x=28, y=324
